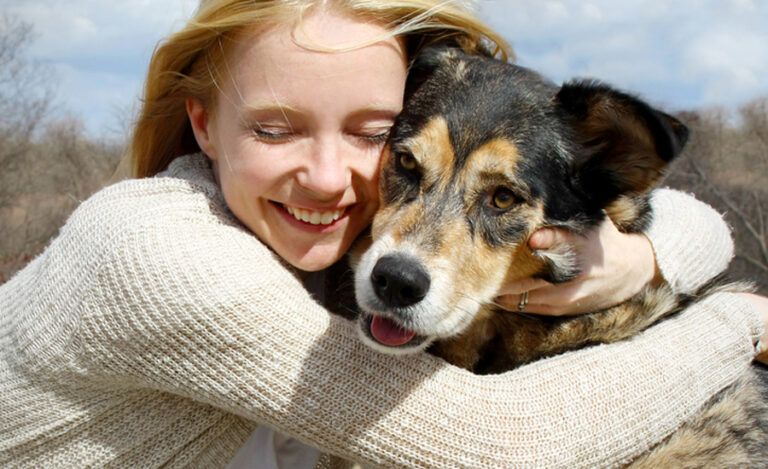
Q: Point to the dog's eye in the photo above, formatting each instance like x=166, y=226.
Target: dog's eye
x=406, y=161
x=503, y=198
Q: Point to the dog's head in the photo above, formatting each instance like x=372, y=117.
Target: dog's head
x=484, y=154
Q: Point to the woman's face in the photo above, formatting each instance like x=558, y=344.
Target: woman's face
x=296, y=135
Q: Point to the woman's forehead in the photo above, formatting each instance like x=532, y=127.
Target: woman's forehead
x=271, y=69
x=324, y=30
x=278, y=57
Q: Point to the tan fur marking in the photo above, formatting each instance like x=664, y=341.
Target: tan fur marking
x=454, y=240
x=499, y=156
x=383, y=221
x=408, y=219
x=623, y=211
x=460, y=72
x=485, y=265
x=433, y=150
x=524, y=263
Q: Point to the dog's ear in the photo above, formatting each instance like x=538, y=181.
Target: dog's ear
x=626, y=144
x=427, y=61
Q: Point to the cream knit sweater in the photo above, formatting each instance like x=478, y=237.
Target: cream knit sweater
x=155, y=330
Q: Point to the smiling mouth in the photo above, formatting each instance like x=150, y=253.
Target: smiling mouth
x=313, y=217
x=388, y=333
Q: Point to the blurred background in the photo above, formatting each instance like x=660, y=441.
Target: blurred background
x=71, y=74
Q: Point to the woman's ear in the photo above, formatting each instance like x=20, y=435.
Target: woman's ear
x=198, y=119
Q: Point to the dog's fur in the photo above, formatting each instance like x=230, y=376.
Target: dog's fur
x=484, y=154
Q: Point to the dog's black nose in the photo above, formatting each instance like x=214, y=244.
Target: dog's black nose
x=399, y=280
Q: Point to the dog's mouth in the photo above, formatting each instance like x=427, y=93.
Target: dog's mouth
x=390, y=334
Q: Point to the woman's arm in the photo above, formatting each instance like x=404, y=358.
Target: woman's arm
x=691, y=240
x=203, y=310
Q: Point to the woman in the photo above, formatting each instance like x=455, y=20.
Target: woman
x=157, y=329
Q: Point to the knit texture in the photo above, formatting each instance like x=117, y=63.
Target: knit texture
x=678, y=235
x=155, y=330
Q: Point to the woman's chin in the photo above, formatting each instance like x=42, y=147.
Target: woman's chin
x=316, y=258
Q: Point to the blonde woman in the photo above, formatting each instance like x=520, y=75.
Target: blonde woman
x=171, y=322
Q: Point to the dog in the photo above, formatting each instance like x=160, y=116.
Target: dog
x=486, y=152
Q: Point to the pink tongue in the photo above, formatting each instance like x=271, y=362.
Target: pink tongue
x=389, y=333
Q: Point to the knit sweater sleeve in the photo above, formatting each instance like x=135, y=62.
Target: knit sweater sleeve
x=186, y=304
x=691, y=240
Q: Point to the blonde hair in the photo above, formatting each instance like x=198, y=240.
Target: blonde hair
x=188, y=64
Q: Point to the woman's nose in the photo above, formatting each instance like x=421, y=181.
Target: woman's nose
x=326, y=173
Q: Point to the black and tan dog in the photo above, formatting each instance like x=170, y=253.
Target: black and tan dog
x=484, y=154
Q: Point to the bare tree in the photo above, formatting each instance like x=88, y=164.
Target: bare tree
x=726, y=165
x=48, y=165
x=25, y=95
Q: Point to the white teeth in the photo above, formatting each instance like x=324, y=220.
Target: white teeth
x=327, y=218
x=314, y=217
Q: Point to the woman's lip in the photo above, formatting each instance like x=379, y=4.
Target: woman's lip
x=315, y=208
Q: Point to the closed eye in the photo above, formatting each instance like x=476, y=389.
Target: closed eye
x=273, y=134
x=374, y=138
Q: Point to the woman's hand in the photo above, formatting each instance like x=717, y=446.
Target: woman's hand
x=614, y=266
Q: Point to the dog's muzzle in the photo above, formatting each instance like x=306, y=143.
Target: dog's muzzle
x=397, y=281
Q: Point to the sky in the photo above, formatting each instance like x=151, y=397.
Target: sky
x=679, y=54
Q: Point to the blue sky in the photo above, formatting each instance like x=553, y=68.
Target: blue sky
x=678, y=54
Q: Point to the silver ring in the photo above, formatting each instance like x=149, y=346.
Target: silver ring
x=523, y=302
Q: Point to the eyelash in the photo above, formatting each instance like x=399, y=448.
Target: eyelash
x=376, y=139
x=278, y=137
x=271, y=137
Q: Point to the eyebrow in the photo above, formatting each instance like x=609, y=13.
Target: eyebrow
x=377, y=110
x=269, y=108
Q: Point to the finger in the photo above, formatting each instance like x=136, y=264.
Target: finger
x=523, y=285
x=560, y=300
x=543, y=238
x=507, y=302
x=548, y=238
x=513, y=303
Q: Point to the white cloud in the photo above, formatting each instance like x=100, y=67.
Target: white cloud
x=685, y=53
x=98, y=27
x=99, y=48
x=735, y=64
